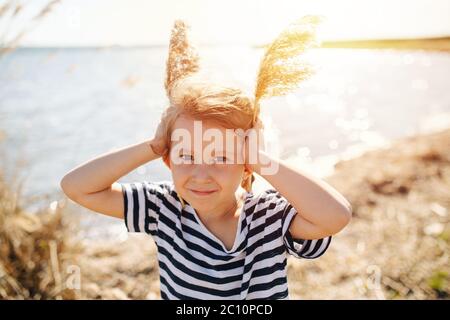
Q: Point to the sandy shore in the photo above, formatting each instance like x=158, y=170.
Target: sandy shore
x=396, y=246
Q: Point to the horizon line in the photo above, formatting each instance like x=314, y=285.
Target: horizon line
x=164, y=45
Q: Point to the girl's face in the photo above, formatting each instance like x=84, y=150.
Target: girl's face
x=205, y=163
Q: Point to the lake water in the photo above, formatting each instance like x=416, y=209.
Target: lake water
x=61, y=107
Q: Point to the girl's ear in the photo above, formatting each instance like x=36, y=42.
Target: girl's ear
x=247, y=179
x=166, y=160
x=247, y=171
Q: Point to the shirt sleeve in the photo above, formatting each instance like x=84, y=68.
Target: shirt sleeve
x=299, y=248
x=142, y=203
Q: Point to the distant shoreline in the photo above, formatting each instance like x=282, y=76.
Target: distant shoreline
x=432, y=44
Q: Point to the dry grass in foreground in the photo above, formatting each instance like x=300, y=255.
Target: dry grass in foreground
x=37, y=251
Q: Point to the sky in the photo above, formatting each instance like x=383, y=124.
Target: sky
x=252, y=22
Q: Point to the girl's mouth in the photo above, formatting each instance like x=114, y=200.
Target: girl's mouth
x=202, y=193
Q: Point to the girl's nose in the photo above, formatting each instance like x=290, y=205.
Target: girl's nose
x=201, y=172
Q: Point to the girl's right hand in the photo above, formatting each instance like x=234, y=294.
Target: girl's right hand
x=159, y=141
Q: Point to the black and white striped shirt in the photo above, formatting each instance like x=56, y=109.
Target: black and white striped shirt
x=194, y=264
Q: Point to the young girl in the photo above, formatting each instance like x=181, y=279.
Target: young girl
x=216, y=239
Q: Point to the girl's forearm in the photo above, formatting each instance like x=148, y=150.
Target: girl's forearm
x=101, y=172
x=317, y=201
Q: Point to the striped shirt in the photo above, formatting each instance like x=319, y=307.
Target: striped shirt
x=194, y=264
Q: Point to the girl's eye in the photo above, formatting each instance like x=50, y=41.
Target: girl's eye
x=221, y=159
x=187, y=157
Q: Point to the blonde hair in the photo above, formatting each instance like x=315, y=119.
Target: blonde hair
x=279, y=72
